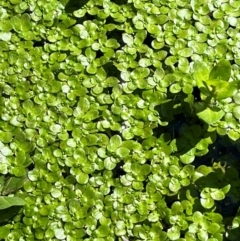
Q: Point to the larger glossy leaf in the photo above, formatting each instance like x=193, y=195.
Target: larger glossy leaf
x=6, y=202
x=221, y=71
x=211, y=115
x=201, y=73
x=12, y=184
x=221, y=89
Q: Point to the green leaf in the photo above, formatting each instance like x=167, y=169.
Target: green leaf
x=103, y=231
x=211, y=115
x=3, y=168
x=174, y=170
x=174, y=185
x=122, y=152
x=82, y=178
x=109, y=164
x=213, y=228
x=5, y=137
x=91, y=115
x=201, y=73
x=114, y=142
x=140, y=36
x=202, y=234
x=207, y=202
x=233, y=135
x=12, y=184
x=127, y=39
x=25, y=22
x=101, y=74
x=6, y=151
x=33, y=175
x=112, y=43
x=217, y=194
x=214, y=217
x=153, y=217
x=186, y=52
x=221, y=71
x=236, y=98
x=157, y=44
x=153, y=29
x=186, y=159
x=127, y=134
x=56, y=128
x=140, y=73
x=79, y=13
x=59, y=233
x=226, y=189
x=173, y=233
x=221, y=89
x=5, y=36
x=176, y=208
x=236, y=112
x=6, y=202
x=4, y=231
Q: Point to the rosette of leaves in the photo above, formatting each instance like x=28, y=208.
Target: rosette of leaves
x=212, y=185
x=169, y=184
x=204, y=226
x=115, y=11
x=125, y=60
x=152, y=58
x=136, y=174
x=98, y=83
x=180, y=53
x=177, y=220
x=115, y=147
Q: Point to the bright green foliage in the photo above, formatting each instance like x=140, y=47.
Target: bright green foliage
x=111, y=117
